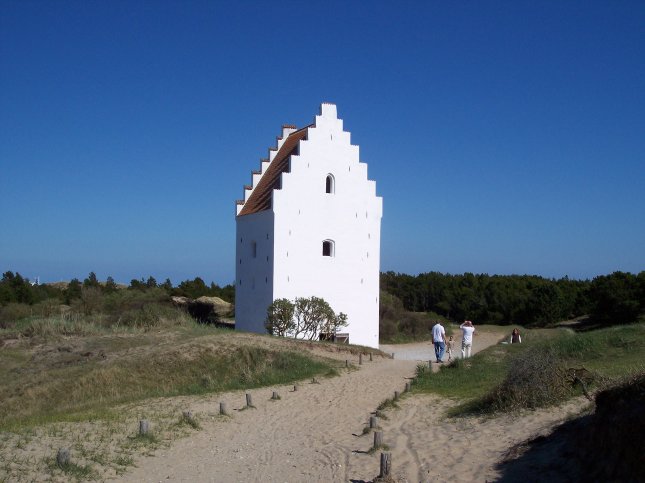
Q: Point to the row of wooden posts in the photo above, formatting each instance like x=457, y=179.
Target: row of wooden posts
x=386, y=458
x=63, y=456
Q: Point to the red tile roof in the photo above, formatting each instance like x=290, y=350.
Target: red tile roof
x=260, y=199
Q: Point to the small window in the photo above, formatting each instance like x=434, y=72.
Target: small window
x=329, y=184
x=328, y=248
x=254, y=249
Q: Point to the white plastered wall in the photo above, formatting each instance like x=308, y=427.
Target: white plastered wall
x=305, y=216
x=254, y=270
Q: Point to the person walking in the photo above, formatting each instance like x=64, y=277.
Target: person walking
x=449, y=346
x=467, y=330
x=516, y=338
x=439, y=341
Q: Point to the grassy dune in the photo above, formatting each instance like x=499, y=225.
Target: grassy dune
x=538, y=372
x=60, y=378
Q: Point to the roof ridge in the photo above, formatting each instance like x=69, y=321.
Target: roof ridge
x=262, y=194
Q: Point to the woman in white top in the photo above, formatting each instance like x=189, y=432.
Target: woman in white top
x=467, y=338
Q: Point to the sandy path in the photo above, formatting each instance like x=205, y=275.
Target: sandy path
x=314, y=434
x=304, y=436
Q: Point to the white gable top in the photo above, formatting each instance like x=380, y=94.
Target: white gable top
x=309, y=225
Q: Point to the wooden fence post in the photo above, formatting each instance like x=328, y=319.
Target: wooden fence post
x=370, y=357
x=275, y=395
x=378, y=439
x=62, y=457
x=386, y=465
x=249, y=401
x=144, y=427
x=360, y=358
x=396, y=395
x=222, y=409
x=295, y=388
x=346, y=363
x=373, y=422
x=408, y=387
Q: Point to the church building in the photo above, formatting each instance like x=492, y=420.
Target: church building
x=310, y=225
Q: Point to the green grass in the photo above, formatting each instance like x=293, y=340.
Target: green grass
x=609, y=354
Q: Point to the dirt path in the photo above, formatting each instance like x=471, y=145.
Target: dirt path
x=314, y=433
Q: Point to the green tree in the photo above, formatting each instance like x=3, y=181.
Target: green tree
x=91, y=281
x=137, y=285
x=311, y=314
x=110, y=286
x=279, y=319
x=73, y=291
x=151, y=282
x=618, y=298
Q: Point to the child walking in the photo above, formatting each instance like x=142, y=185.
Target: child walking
x=449, y=349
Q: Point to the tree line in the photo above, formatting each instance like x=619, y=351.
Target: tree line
x=15, y=288
x=529, y=300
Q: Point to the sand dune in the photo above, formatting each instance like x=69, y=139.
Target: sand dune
x=315, y=433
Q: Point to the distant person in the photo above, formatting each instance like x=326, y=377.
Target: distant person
x=439, y=341
x=467, y=330
x=516, y=338
x=449, y=346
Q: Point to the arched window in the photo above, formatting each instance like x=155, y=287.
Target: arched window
x=330, y=184
x=328, y=248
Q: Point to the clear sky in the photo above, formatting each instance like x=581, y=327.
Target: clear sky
x=504, y=137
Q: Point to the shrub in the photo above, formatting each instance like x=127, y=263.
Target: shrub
x=13, y=312
x=536, y=377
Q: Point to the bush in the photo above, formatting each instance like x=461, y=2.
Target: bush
x=13, y=312
x=536, y=377
x=398, y=325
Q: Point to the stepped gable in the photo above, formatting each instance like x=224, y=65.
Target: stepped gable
x=260, y=199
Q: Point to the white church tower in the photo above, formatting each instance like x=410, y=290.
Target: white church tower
x=310, y=225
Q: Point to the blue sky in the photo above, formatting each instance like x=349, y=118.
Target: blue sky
x=504, y=137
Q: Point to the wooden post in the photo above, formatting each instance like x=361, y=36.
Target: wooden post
x=396, y=395
x=386, y=465
x=222, y=409
x=275, y=395
x=314, y=381
x=295, y=388
x=144, y=427
x=392, y=355
x=62, y=458
x=346, y=363
x=360, y=358
x=373, y=422
x=378, y=439
x=408, y=387
x=430, y=364
x=370, y=357
x=249, y=401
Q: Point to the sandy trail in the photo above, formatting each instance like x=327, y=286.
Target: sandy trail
x=314, y=433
